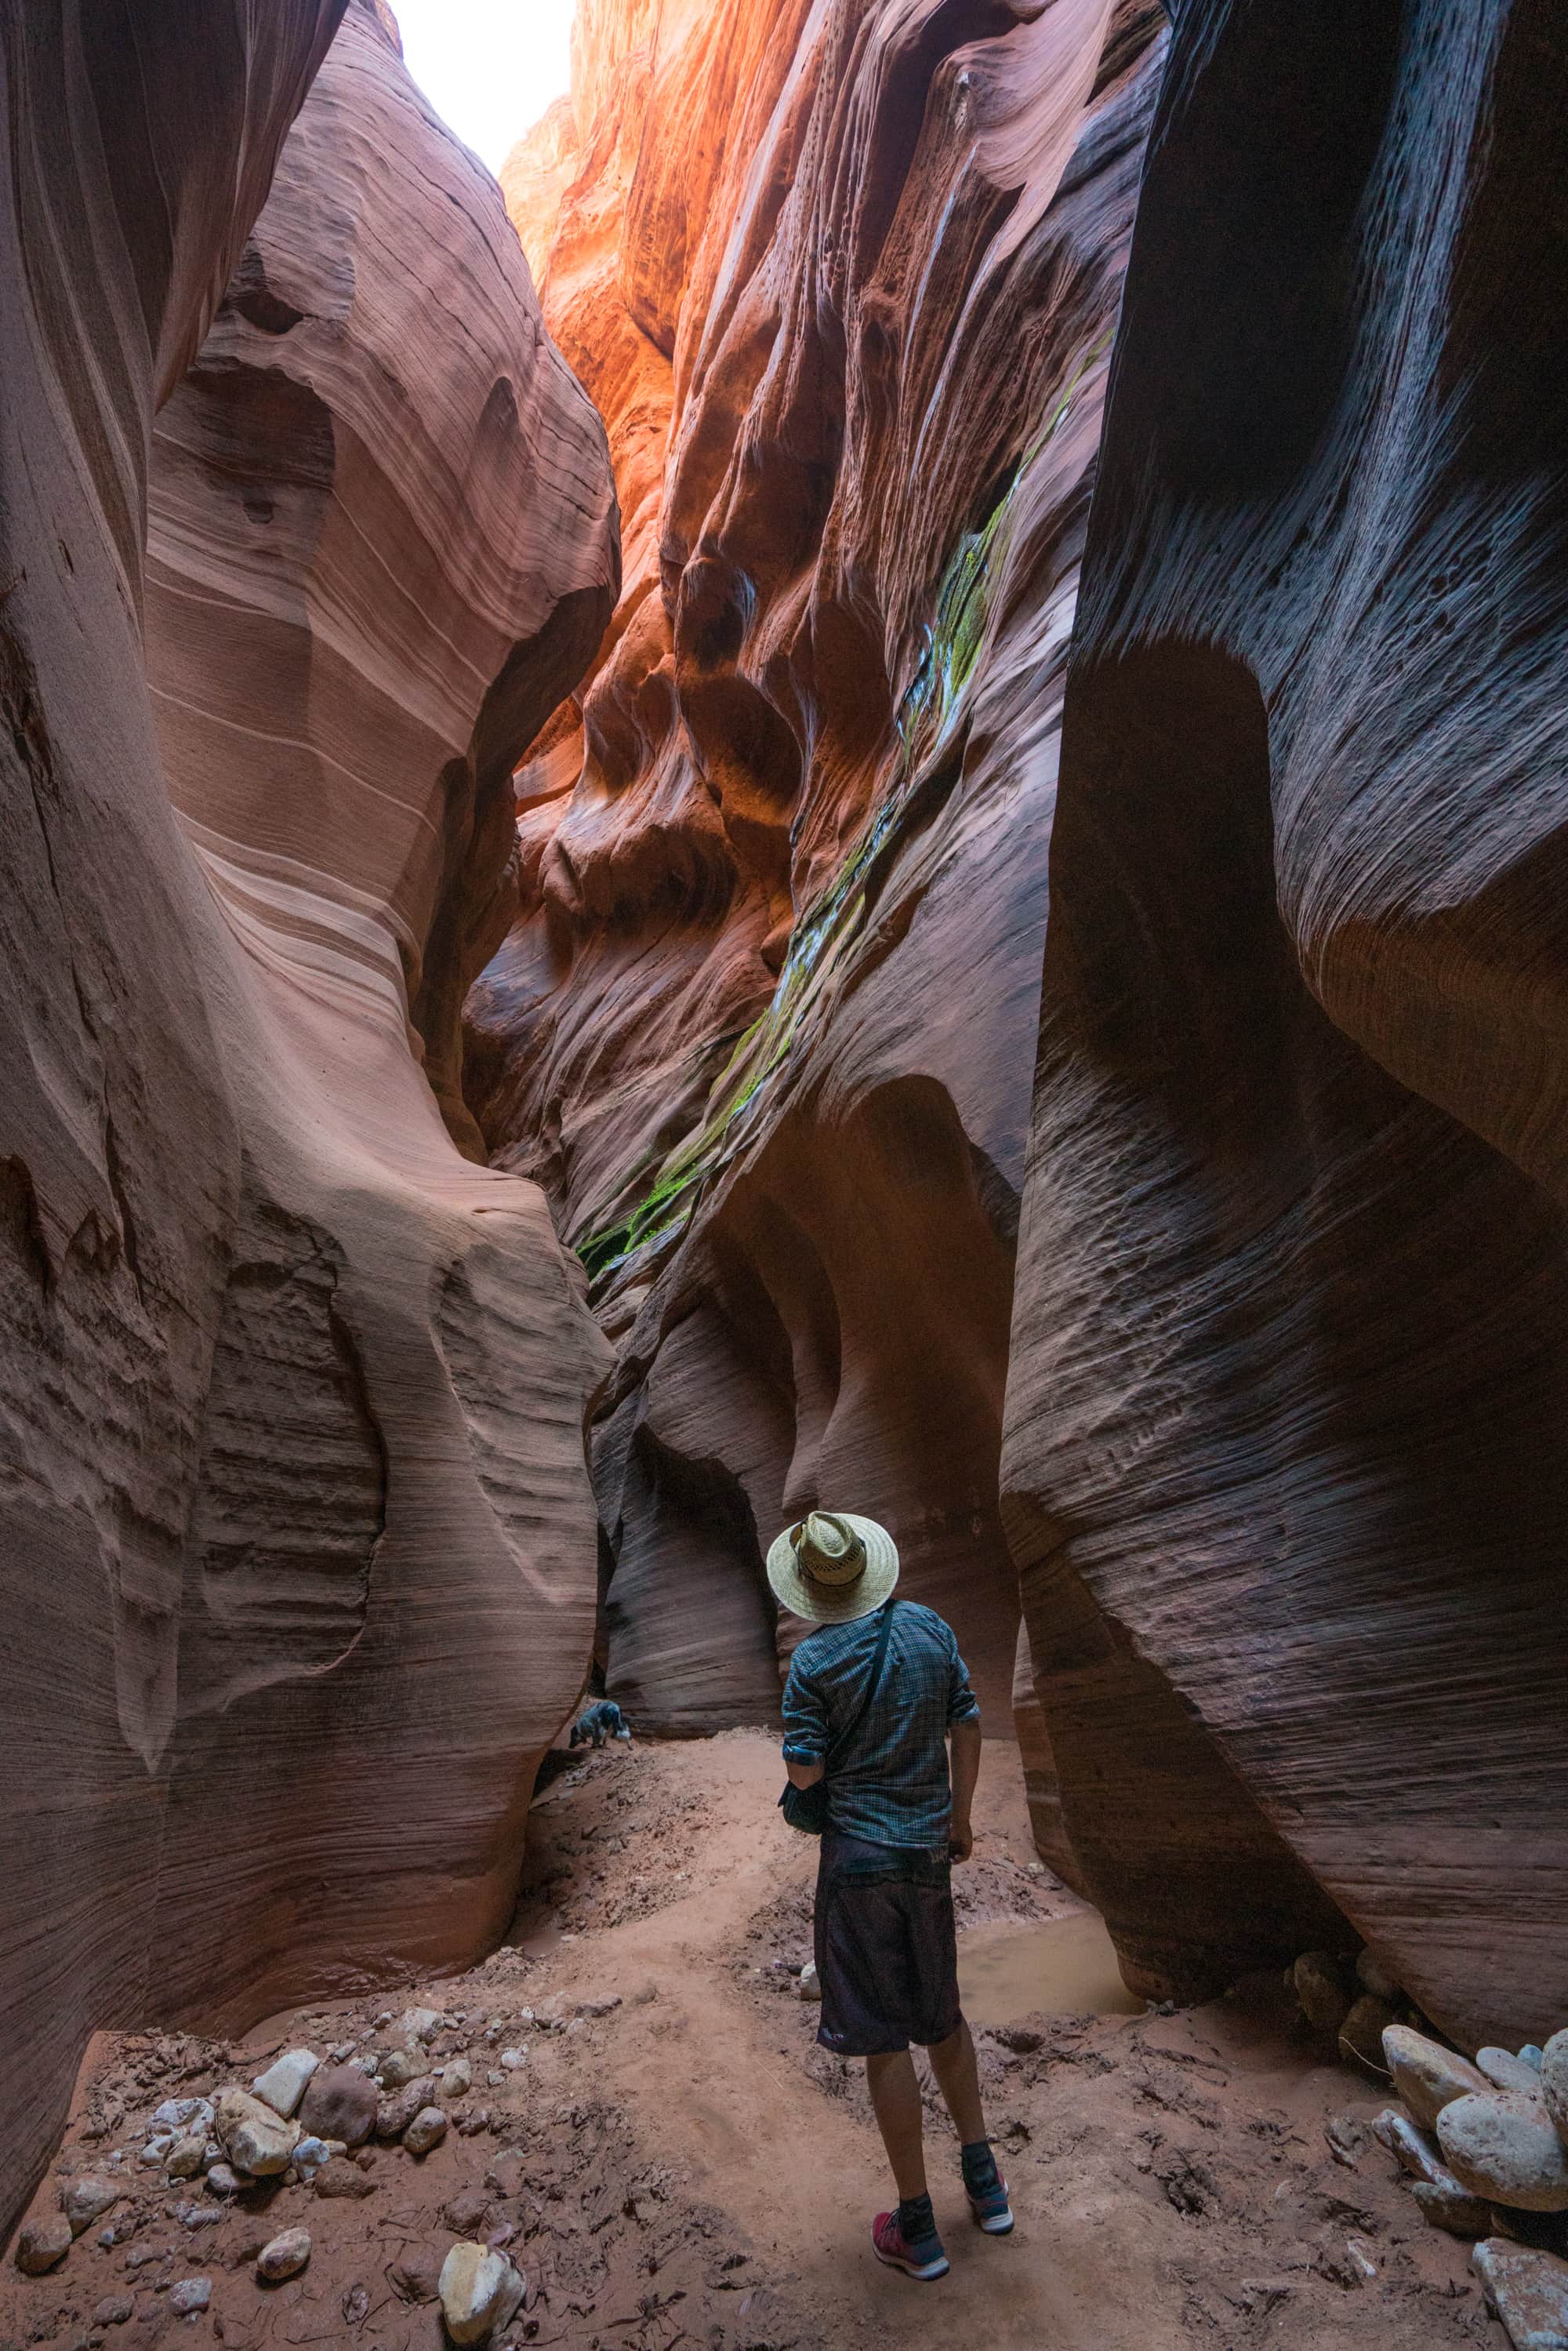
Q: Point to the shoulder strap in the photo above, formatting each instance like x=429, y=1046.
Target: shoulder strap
x=842, y=1743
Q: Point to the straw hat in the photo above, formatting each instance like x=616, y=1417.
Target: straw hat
x=833, y=1567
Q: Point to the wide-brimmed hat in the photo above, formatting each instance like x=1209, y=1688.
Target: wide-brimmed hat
x=833, y=1566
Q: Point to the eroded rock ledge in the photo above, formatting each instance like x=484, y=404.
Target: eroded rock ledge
x=844, y=282
x=299, y=1551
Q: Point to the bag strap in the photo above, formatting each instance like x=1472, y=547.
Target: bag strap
x=842, y=1743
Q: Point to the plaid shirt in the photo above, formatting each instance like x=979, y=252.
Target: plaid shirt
x=892, y=1787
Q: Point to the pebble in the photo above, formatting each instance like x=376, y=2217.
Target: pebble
x=282, y=2085
x=427, y=2131
x=157, y=2149
x=114, y=2310
x=394, y=2115
x=512, y=2058
x=339, y=2103
x=1411, y=2148
x=284, y=2256
x=1319, y=1982
x=1554, y=2080
x=1427, y=2075
x=255, y=2137
x=43, y=2244
x=480, y=2292
x=83, y=2201
x=1528, y=2291
x=189, y=2295
x=806, y=1982
x=455, y=2080
x=419, y=2023
x=222, y=2181
x=187, y=2159
x=399, y=2068
x=1503, y=2147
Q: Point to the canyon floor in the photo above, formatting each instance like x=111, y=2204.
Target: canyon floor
x=678, y=2163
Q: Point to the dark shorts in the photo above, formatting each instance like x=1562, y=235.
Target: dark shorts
x=887, y=1955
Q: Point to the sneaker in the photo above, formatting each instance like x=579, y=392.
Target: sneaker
x=991, y=2210
x=925, y=2261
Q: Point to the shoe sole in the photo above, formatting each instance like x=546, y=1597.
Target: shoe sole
x=1000, y=2224
x=924, y=2273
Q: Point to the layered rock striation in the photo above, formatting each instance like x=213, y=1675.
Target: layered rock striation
x=843, y=281
x=299, y=1547
x=1285, y=1464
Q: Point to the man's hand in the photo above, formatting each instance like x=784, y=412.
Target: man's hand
x=960, y=1841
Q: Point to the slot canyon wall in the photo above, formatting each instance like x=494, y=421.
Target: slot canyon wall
x=299, y=1550
x=842, y=280
x=1286, y=1461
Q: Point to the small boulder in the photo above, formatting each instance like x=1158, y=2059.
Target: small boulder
x=282, y=2085
x=342, y=2180
x=480, y=2292
x=83, y=2201
x=455, y=2080
x=1503, y=2147
x=427, y=2131
x=1319, y=1982
x=1411, y=2148
x=283, y=2256
x=394, y=2115
x=255, y=2137
x=341, y=2103
x=1528, y=2291
x=1373, y=1977
x=1427, y=2075
x=43, y=2244
x=400, y=2066
x=1509, y=2072
x=1553, y=2081
x=1361, y=2034
x=421, y=2023
x=188, y=2296
x=1446, y=2206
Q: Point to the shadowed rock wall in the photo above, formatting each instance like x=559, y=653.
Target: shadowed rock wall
x=297, y=1559
x=1287, y=1456
x=842, y=280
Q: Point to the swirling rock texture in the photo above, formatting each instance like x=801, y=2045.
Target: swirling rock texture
x=843, y=279
x=299, y=1547
x=1286, y=1460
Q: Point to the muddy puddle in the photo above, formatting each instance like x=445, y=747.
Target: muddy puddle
x=1052, y=1966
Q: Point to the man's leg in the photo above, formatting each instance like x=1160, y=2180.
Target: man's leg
x=959, y=2078
x=895, y=2098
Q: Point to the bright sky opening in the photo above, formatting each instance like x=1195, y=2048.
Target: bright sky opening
x=489, y=67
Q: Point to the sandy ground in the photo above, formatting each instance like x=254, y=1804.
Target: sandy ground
x=676, y=2161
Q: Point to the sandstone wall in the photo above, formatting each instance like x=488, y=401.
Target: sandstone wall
x=1286, y=1461
x=298, y=1553
x=842, y=280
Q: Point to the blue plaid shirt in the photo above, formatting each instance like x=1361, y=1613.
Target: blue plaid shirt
x=892, y=1787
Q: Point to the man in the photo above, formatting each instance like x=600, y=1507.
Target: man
x=887, y=1952
x=600, y=1721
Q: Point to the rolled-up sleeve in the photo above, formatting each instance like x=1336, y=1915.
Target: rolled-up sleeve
x=805, y=1718
x=963, y=1706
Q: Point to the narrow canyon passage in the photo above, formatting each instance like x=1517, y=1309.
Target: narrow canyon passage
x=845, y=797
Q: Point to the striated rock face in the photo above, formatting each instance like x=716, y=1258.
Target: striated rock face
x=1286, y=1462
x=843, y=281
x=298, y=1553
